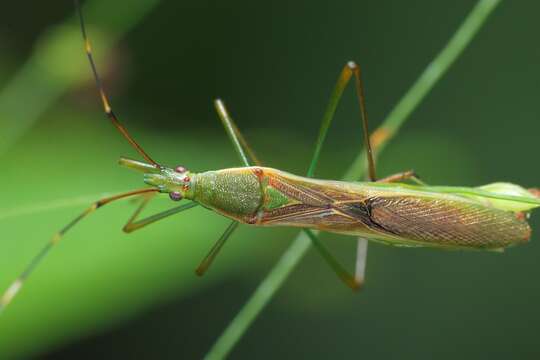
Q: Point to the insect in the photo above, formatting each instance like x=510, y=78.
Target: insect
x=398, y=210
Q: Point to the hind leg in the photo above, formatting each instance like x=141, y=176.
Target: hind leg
x=399, y=177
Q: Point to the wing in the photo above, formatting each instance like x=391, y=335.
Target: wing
x=447, y=222
x=408, y=218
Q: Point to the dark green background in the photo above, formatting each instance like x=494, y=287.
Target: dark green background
x=104, y=294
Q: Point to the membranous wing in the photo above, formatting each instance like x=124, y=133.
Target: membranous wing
x=442, y=222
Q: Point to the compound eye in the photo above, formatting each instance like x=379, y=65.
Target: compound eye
x=180, y=169
x=175, y=196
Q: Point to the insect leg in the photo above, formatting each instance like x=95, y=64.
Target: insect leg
x=238, y=140
x=406, y=175
x=105, y=101
x=353, y=281
x=14, y=288
x=361, y=257
x=134, y=224
x=349, y=70
x=240, y=144
x=207, y=261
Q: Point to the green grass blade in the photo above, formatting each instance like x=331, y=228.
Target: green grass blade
x=429, y=77
x=260, y=298
x=335, y=96
x=292, y=256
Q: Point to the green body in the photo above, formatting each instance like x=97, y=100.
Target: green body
x=490, y=217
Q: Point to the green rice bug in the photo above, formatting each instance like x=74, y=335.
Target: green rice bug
x=388, y=210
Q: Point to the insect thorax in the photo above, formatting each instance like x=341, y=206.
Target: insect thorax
x=235, y=192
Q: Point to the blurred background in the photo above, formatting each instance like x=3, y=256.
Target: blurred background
x=105, y=294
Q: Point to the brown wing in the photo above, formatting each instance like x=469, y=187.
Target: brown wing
x=447, y=222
